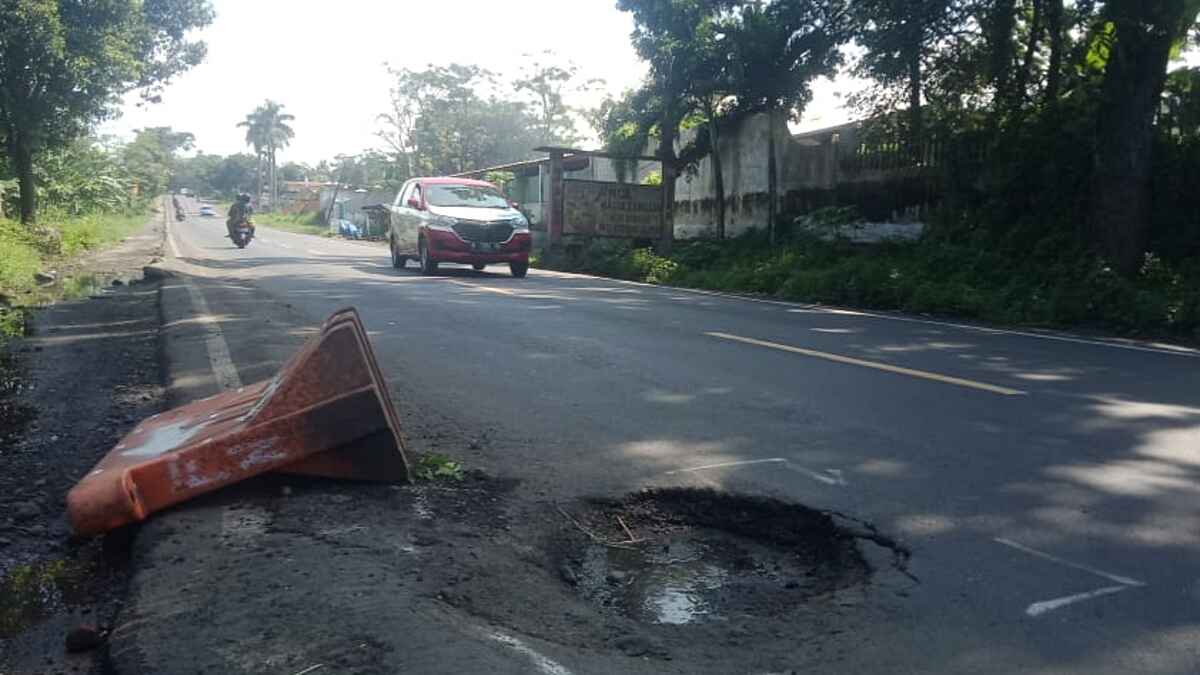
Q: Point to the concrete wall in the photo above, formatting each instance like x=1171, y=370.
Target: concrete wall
x=823, y=168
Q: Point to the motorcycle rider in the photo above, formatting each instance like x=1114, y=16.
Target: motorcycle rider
x=239, y=212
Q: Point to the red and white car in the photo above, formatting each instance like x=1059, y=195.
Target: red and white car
x=457, y=220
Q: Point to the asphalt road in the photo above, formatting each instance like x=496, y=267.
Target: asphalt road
x=1046, y=483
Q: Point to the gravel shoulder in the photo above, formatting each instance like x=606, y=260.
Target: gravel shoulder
x=88, y=371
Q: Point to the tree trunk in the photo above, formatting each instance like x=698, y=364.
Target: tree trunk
x=22, y=155
x=916, y=118
x=1002, y=20
x=274, y=182
x=718, y=176
x=1017, y=98
x=1130, y=96
x=1054, y=24
x=666, y=153
x=772, y=178
x=258, y=171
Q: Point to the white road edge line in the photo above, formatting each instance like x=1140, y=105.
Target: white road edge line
x=834, y=479
x=799, y=306
x=543, y=663
x=1039, y=608
x=876, y=365
x=1124, y=581
x=219, y=358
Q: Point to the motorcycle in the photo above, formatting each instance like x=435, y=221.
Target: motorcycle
x=243, y=232
x=180, y=216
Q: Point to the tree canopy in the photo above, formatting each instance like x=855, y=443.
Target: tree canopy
x=64, y=64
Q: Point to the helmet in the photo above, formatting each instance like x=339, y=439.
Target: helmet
x=244, y=198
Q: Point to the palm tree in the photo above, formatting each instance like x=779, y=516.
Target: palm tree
x=268, y=131
x=254, y=138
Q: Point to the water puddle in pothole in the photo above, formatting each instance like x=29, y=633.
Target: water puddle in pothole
x=685, y=579
x=34, y=592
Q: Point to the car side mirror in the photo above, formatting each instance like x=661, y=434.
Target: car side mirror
x=514, y=204
x=414, y=203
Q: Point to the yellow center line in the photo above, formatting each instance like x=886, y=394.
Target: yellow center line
x=837, y=358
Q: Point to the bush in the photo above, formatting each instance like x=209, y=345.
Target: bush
x=19, y=259
x=1010, y=277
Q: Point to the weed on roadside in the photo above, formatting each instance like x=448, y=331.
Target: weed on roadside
x=435, y=467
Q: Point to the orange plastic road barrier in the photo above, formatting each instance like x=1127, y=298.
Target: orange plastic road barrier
x=326, y=413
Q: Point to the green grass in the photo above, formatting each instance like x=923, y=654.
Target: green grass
x=19, y=257
x=300, y=223
x=1049, y=283
x=435, y=467
x=87, y=233
x=26, y=251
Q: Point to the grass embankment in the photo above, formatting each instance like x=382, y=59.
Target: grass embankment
x=300, y=223
x=1050, y=284
x=57, y=239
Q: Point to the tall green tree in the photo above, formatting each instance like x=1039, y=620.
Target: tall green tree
x=64, y=64
x=549, y=80
x=902, y=39
x=255, y=138
x=450, y=119
x=778, y=49
x=268, y=131
x=672, y=37
x=232, y=175
x=151, y=156
x=1140, y=36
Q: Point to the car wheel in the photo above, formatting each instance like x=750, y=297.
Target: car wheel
x=519, y=269
x=398, y=261
x=428, y=265
x=478, y=267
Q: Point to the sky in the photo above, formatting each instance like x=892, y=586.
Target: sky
x=324, y=61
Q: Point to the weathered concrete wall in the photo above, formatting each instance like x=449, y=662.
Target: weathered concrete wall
x=818, y=169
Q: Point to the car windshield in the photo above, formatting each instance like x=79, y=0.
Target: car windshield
x=465, y=195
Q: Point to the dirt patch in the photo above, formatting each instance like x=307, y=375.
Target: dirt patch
x=83, y=376
x=15, y=413
x=689, y=556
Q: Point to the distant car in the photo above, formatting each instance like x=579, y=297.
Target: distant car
x=457, y=220
x=207, y=212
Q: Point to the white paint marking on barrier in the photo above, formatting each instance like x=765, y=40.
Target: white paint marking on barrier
x=543, y=663
x=1125, y=581
x=1039, y=608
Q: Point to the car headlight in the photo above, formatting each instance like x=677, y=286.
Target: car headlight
x=443, y=223
x=520, y=225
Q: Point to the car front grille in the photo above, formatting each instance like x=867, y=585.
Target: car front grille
x=492, y=233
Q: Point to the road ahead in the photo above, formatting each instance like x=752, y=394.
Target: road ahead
x=1046, y=484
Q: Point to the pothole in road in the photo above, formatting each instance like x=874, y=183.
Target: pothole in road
x=681, y=556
